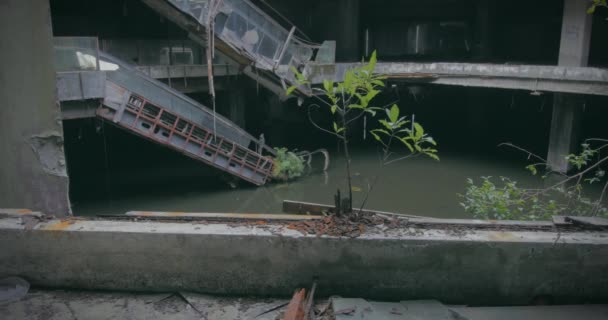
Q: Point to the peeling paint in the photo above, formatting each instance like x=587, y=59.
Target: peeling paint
x=48, y=147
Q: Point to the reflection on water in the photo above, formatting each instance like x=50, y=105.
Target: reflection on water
x=417, y=186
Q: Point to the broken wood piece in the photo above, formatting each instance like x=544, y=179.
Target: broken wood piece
x=208, y=215
x=272, y=309
x=300, y=207
x=295, y=308
x=588, y=221
x=308, y=312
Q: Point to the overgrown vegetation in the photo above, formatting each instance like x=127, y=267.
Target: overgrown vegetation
x=347, y=101
x=287, y=165
x=504, y=199
x=596, y=4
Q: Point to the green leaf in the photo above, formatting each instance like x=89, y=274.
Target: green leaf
x=385, y=124
x=371, y=65
x=333, y=109
x=355, y=106
x=377, y=137
x=328, y=86
x=591, y=9
x=432, y=155
x=532, y=169
x=337, y=129
x=378, y=83
x=407, y=144
x=419, y=130
x=290, y=90
x=382, y=131
x=393, y=114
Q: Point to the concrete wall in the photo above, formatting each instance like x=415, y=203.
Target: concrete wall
x=453, y=265
x=32, y=170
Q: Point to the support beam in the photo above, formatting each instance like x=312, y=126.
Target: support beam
x=567, y=109
x=33, y=171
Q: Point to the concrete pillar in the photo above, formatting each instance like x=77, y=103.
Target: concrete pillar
x=348, y=35
x=33, y=173
x=573, y=52
x=576, y=34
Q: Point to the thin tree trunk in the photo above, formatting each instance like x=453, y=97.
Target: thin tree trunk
x=347, y=155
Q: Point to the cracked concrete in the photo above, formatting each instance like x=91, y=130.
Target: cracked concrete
x=48, y=146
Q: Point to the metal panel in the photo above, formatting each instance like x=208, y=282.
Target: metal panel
x=80, y=85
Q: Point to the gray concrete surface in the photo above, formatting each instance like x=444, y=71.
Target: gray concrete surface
x=566, y=312
x=83, y=305
x=454, y=265
x=33, y=170
x=567, y=109
x=583, y=80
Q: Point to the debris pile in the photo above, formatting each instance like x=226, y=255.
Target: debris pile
x=345, y=226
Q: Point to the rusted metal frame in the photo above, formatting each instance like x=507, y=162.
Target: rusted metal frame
x=155, y=123
x=203, y=142
x=173, y=129
x=189, y=135
x=138, y=114
x=217, y=149
x=152, y=138
x=245, y=162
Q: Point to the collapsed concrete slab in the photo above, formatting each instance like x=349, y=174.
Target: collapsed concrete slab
x=490, y=266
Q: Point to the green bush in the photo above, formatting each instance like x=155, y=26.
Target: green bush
x=287, y=165
x=507, y=201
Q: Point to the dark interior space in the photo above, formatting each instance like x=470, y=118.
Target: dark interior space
x=104, y=161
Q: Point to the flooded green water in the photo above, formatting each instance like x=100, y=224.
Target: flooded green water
x=419, y=186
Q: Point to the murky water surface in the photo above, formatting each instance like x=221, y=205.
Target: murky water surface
x=419, y=186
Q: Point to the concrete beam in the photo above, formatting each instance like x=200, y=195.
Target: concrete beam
x=33, y=170
x=489, y=266
x=581, y=80
x=188, y=71
x=81, y=85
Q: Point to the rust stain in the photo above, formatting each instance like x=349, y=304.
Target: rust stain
x=175, y=214
x=502, y=236
x=24, y=211
x=60, y=226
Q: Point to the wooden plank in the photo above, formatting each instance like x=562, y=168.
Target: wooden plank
x=588, y=221
x=300, y=207
x=561, y=221
x=211, y=215
x=295, y=309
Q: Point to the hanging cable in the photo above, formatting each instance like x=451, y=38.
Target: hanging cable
x=212, y=10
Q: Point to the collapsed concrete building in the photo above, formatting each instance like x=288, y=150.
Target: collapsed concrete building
x=132, y=62
x=185, y=74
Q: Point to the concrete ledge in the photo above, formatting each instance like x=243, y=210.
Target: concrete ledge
x=456, y=266
x=583, y=80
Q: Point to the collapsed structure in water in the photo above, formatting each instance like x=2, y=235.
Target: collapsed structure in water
x=173, y=81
